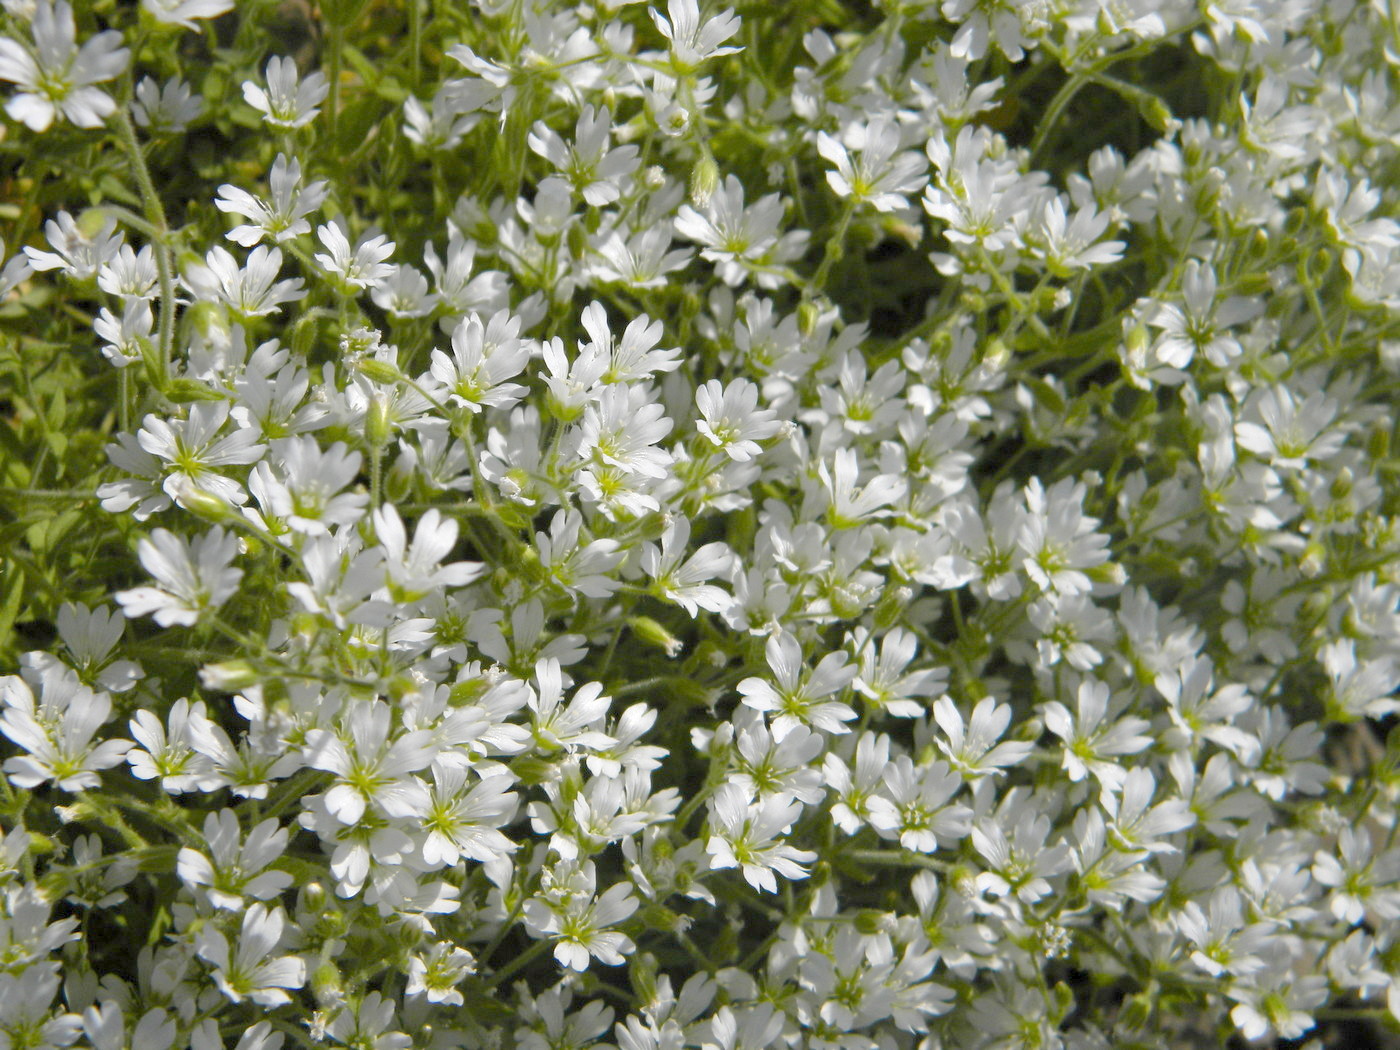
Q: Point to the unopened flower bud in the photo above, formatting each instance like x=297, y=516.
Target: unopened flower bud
x=871, y=921
x=313, y=898
x=377, y=425
x=648, y=630
x=892, y=606
x=997, y=354
x=1156, y=113
x=377, y=370
x=1137, y=340
x=326, y=985
x=704, y=180
x=231, y=676
x=203, y=504
x=183, y=391
x=1314, y=559
x=642, y=971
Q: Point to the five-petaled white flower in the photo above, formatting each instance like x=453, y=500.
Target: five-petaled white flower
x=192, y=578
x=746, y=834
x=251, y=971
x=56, y=76
x=795, y=697
x=286, y=102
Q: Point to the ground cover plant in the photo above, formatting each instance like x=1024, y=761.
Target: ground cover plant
x=817, y=524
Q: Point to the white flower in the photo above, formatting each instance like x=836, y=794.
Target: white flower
x=685, y=583
x=596, y=172
x=1277, y=1000
x=251, y=290
x=632, y=357
x=191, y=450
x=578, y=724
x=170, y=756
x=745, y=834
x=360, y=267
x=435, y=973
x=795, y=697
x=307, y=495
x=882, y=680
x=235, y=867
x=693, y=41
x=578, y=922
x=414, y=570
x=920, y=795
x=1364, y=883
x=880, y=175
x=90, y=635
x=1020, y=865
x=79, y=253
x=1288, y=431
x=184, y=12
x=252, y=971
x=484, y=357
x=856, y=785
x=462, y=822
x=1199, y=323
x=640, y=261
x=56, y=77
x=286, y=103
x=127, y=340
x=282, y=219
x=371, y=769
x=1135, y=824
x=972, y=748
x=1359, y=688
x=621, y=429
x=580, y=569
x=1068, y=245
x=731, y=420
x=167, y=109
x=1057, y=539
x=1090, y=745
x=849, y=505
x=57, y=735
x=742, y=240
x=192, y=578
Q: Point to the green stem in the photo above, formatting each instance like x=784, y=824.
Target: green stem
x=517, y=964
x=835, y=245
x=415, y=37
x=1063, y=98
x=897, y=859
x=155, y=214
x=337, y=39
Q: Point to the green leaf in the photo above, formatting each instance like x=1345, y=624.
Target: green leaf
x=14, y=596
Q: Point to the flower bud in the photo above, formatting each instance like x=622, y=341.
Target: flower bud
x=467, y=691
x=892, y=606
x=231, y=676
x=648, y=630
x=183, y=391
x=1156, y=113
x=1314, y=559
x=313, y=898
x=704, y=180
x=377, y=370
x=642, y=970
x=326, y=985
x=203, y=504
x=377, y=424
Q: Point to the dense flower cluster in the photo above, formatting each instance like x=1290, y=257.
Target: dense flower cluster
x=650, y=528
